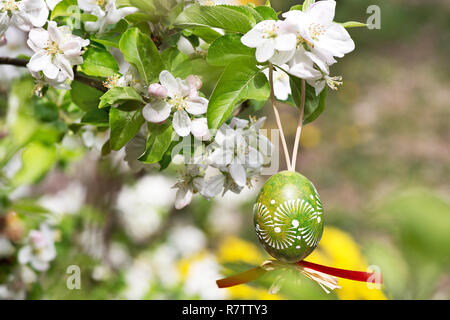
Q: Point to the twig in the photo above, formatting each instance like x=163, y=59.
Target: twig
x=77, y=76
x=299, y=128
x=277, y=117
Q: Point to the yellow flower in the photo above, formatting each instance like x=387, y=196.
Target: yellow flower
x=236, y=250
x=338, y=249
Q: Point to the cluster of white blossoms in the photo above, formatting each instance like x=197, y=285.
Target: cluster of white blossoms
x=307, y=41
x=180, y=98
x=106, y=13
x=40, y=248
x=23, y=14
x=56, y=51
x=230, y=162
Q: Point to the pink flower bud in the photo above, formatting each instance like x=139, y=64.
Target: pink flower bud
x=37, y=238
x=157, y=90
x=194, y=82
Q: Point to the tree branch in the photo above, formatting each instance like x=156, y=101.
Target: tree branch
x=77, y=76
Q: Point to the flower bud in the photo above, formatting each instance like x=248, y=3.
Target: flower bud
x=194, y=82
x=157, y=90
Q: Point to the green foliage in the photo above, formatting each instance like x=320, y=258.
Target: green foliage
x=229, y=49
x=353, y=24
x=124, y=126
x=239, y=81
x=62, y=9
x=224, y=17
x=314, y=105
x=84, y=96
x=37, y=159
x=158, y=143
x=139, y=50
x=267, y=13
x=98, y=62
x=119, y=95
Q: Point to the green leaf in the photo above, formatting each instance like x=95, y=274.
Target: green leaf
x=62, y=9
x=37, y=159
x=205, y=33
x=98, y=62
x=111, y=39
x=172, y=58
x=258, y=89
x=353, y=24
x=307, y=4
x=224, y=17
x=124, y=126
x=119, y=95
x=228, y=49
x=297, y=7
x=267, y=12
x=84, y=96
x=139, y=50
x=314, y=105
x=96, y=117
x=238, y=81
x=158, y=143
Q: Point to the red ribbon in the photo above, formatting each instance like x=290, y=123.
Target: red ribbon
x=257, y=272
x=342, y=273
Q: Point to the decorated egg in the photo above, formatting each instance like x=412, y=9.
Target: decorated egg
x=288, y=216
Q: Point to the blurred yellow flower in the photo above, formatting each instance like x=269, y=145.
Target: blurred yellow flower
x=348, y=137
x=310, y=137
x=338, y=249
x=233, y=249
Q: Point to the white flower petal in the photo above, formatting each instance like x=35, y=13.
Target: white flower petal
x=265, y=50
x=238, y=174
x=199, y=128
x=286, y=42
x=183, y=197
x=213, y=186
x=197, y=105
x=157, y=111
x=252, y=38
x=38, y=61
x=181, y=123
x=38, y=39
x=322, y=12
x=25, y=254
x=169, y=81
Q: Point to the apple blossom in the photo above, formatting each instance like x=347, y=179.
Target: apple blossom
x=317, y=32
x=237, y=152
x=40, y=249
x=56, y=51
x=182, y=98
x=106, y=13
x=24, y=14
x=281, y=85
x=273, y=41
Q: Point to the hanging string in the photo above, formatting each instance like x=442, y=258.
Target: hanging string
x=299, y=127
x=277, y=117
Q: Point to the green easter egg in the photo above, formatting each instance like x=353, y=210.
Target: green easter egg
x=288, y=216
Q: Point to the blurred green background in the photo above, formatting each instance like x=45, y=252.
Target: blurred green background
x=379, y=156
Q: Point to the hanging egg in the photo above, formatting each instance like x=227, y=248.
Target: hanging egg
x=288, y=216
